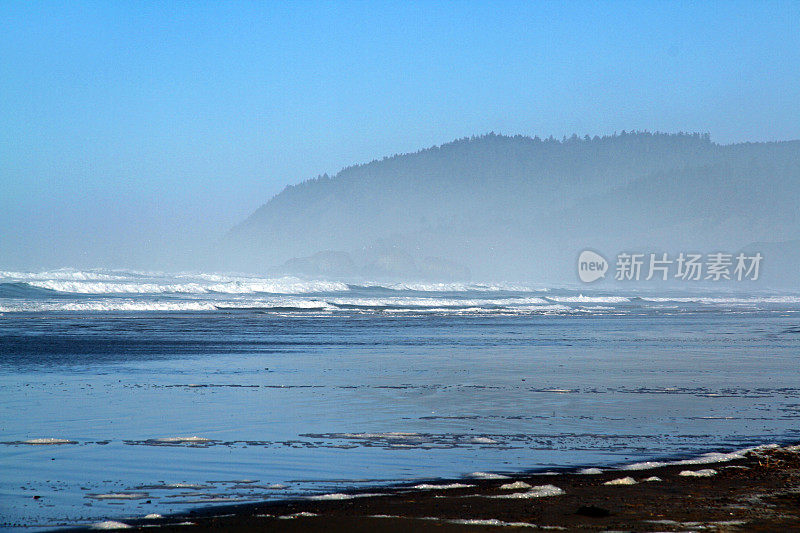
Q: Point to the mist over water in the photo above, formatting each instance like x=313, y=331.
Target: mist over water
x=491, y=208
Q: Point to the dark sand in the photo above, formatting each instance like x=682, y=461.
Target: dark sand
x=760, y=492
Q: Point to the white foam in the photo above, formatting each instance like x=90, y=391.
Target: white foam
x=590, y=471
x=303, y=514
x=428, y=302
x=427, y=486
x=581, y=299
x=181, y=440
x=706, y=458
x=492, y=522
x=110, y=524
x=152, y=516
x=538, y=491
x=388, y=435
x=698, y=525
x=120, y=496
x=148, y=304
x=457, y=287
x=489, y=309
x=515, y=485
x=733, y=301
x=487, y=475
x=100, y=287
x=340, y=496
x=286, y=285
x=66, y=274
x=621, y=481
x=108, y=305
x=706, y=472
x=652, y=479
x=48, y=441
x=644, y=465
x=217, y=499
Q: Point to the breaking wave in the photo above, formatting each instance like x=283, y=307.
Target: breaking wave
x=268, y=286
x=454, y=287
x=116, y=290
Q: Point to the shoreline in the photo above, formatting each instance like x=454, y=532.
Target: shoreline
x=757, y=489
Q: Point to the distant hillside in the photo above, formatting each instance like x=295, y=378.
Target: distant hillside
x=522, y=208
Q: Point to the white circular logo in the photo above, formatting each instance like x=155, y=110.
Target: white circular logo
x=591, y=266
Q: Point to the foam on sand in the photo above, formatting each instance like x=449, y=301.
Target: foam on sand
x=341, y=496
x=491, y=522
x=303, y=514
x=704, y=459
x=515, y=485
x=706, y=472
x=110, y=524
x=621, y=481
x=427, y=486
x=539, y=491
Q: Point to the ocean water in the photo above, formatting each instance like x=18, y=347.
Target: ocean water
x=129, y=393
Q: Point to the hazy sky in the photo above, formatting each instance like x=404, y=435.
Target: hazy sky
x=134, y=130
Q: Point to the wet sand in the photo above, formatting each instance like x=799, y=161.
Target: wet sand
x=757, y=492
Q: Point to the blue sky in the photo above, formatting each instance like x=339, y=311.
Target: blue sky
x=131, y=130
